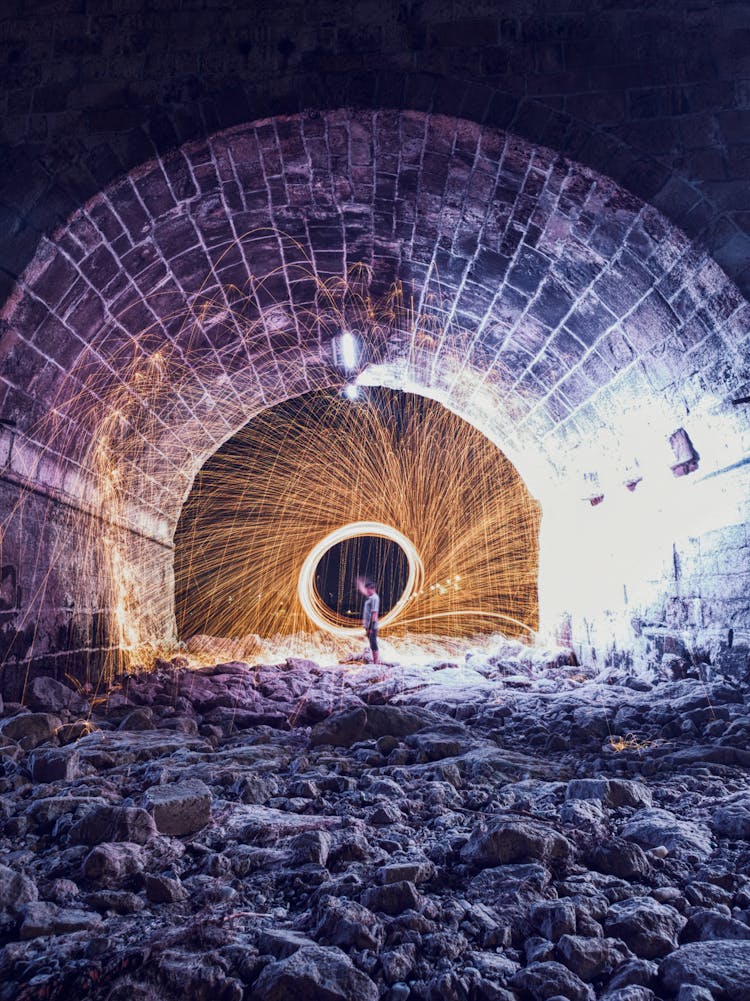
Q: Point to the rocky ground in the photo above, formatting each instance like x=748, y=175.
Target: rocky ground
x=508, y=828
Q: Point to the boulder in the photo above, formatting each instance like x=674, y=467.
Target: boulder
x=50, y=696
x=707, y=925
x=652, y=828
x=648, y=928
x=720, y=967
x=15, y=889
x=43, y=918
x=348, y=924
x=163, y=890
x=315, y=974
x=554, y=918
x=624, y=859
x=614, y=793
x=55, y=764
x=113, y=823
x=590, y=957
x=138, y=720
x=393, y=898
x=513, y=839
x=30, y=729
x=179, y=808
x=543, y=981
x=369, y=723
x=109, y=864
x=732, y=821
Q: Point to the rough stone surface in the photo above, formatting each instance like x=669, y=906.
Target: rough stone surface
x=719, y=967
x=316, y=973
x=484, y=885
x=180, y=808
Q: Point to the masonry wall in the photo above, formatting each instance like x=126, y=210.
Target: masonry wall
x=64, y=608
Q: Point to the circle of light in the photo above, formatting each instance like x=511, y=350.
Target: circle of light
x=309, y=597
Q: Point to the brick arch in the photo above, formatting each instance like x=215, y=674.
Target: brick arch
x=654, y=98
x=553, y=309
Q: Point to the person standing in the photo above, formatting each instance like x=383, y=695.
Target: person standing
x=370, y=614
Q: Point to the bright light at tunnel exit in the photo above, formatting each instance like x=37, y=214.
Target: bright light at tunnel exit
x=348, y=344
x=310, y=600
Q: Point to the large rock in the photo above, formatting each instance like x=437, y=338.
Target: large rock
x=513, y=839
x=543, y=981
x=15, y=889
x=612, y=792
x=43, y=918
x=346, y=728
x=113, y=823
x=733, y=821
x=554, y=918
x=50, y=696
x=179, y=808
x=392, y=898
x=648, y=928
x=624, y=859
x=110, y=864
x=30, y=729
x=721, y=967
x=590, y=957
x=55, y=764
x=314, y=973
x=653, y=828
x=348, y=924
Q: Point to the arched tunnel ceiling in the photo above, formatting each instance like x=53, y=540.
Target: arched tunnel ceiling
x=654, y=96
x=562, y=299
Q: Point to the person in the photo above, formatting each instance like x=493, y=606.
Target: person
x=370, y=614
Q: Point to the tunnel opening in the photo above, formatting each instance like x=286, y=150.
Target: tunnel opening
x=364, y=557
x=315, y=492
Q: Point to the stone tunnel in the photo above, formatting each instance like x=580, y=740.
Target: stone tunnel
x=533, y=219
x=574, y=323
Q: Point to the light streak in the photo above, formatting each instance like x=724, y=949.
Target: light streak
x=317, y=611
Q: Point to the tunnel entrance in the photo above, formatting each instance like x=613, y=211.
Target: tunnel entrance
x=319, y=490
x=362, y=557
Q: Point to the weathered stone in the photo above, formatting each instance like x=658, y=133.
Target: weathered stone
x=544, y=981
x=30, y=729
x=49, y=696
x=590, y=958
x=315, y=974
x=511, y=839
x=733, y=821
x=113, y=823
x=16, y=889
x=623, y=859
x=720, y=967
x=139, y=720
x=648, y=928
x=554, y=918
x=163, y=890
x=348, y=924
x=346, y=728
x=179, y=808
x=653, y=827
x=52, y=764
x=612, y=792
x=109, y=864
x=392, y=898
x=43, y=918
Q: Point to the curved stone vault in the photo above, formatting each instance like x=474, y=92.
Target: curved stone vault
x=569, y=320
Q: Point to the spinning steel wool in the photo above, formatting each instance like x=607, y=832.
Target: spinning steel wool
x=318, y=470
